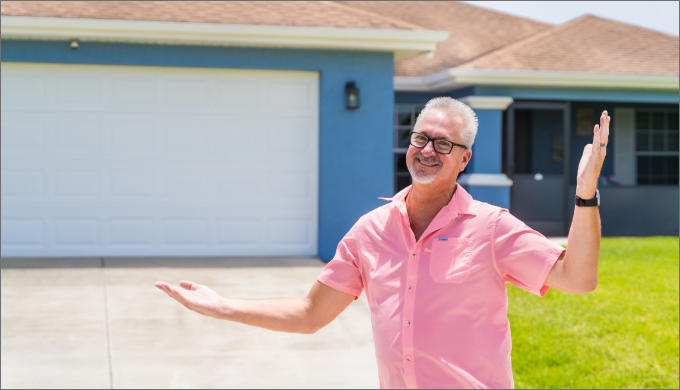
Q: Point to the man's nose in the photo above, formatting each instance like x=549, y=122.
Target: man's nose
x=428, y=150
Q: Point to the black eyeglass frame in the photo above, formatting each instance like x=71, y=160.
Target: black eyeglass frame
x=433, y=139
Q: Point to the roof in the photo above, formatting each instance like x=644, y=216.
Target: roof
x=474, y=30
x=285, y=24
x=587, y=44
x=269, y=13
x=479, y=40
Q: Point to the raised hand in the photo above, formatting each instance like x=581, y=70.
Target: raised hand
x=196, y=297
x=593, y=157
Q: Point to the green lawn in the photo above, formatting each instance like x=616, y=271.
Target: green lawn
x=622, y=335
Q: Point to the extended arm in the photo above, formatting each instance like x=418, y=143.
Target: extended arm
x=576, y=270
x=307, y=315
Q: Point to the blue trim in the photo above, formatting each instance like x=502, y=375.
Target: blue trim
x=581, y=94
x=352, y=174
x=424, y=97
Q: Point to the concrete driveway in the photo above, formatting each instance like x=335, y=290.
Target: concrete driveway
x=100, y=323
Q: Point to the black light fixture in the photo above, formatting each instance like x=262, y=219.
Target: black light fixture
x=351, y=95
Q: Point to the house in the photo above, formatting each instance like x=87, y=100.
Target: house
x=225, y=128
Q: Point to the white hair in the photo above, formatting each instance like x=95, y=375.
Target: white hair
x=454, y=108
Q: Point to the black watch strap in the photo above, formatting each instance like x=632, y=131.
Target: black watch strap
x=595, y=202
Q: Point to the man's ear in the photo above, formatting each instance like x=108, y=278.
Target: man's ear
x=466, y=159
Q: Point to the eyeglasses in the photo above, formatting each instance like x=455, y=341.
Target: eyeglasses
x=441, y=146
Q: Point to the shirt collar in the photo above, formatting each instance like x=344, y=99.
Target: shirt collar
x=461, y=201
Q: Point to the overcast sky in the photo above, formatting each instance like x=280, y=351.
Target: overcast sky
x=656, y=15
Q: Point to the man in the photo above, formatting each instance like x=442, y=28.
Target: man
x=434, y=264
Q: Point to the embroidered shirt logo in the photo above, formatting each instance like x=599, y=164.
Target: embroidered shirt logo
x=443, y=239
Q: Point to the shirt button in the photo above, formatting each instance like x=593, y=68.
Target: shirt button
x=410, y=289
x=408, y=323
x=413, y=255
x=408, y=358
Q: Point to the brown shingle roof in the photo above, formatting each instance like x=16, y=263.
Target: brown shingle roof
x=480, y=38
x=270, y=13
x=474, y=30
x=588, y=44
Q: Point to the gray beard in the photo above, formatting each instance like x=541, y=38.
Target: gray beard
x=419, y=177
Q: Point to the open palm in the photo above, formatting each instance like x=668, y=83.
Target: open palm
x=593, y=157
x=193, y=296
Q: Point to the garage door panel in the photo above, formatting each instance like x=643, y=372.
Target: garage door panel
x=23, y=232
x=240, y=94
x=233, y=231
x=130, y=183
x=239, y=185
x=134, y=91
x=22, y=133
x=131, y=136
x=169, y=91
x=185, y=231
x=185, y=92
x=21, y=88
x=131, y=232
x=23, y=183
x=77, y=231
x=79, y=88
x=137, y=161
x=288, y=185
x=185, y=184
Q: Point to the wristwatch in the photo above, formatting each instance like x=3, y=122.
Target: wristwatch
x=588, y=202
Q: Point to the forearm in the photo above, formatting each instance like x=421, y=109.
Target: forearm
x=583, y=246
x=283, y=315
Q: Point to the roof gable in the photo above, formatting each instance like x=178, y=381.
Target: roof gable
x=474, y=30
x=588, y=44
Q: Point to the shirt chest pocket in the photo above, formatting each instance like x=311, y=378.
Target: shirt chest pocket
x=450, y=260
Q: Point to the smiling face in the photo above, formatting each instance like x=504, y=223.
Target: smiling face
x=425, y=164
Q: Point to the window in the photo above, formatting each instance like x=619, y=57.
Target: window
x=656, y=136
x=405, y=119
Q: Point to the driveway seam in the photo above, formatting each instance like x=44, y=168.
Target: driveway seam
x=106, y=320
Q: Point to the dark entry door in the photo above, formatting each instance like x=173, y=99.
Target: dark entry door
x=537, y=164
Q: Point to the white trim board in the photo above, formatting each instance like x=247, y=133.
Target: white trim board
x=403, y=43
x=485, y=180
x=454, y=78
x=487, y=102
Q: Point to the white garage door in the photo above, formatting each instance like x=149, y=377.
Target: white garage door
x=156, y=161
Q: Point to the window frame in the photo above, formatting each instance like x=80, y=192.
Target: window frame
x=651, y=131
x=397, y=151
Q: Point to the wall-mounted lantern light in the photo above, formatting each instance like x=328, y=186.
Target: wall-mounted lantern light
x=351, y=95
x=74, y=44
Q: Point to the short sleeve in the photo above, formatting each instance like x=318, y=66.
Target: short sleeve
x=524, y=257
x=343, y=272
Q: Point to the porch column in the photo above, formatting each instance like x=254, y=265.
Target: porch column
x=484, y=179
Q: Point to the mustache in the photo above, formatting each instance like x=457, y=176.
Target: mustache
x=419, y=156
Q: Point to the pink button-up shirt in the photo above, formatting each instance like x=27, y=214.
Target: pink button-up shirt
x=439, y=305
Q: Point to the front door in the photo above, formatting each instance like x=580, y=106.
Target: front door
x=538, y=165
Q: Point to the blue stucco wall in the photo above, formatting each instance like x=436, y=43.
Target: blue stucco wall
x=355, y=148
x=486, y=151
x=497, y=196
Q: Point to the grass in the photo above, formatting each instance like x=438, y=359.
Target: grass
x=622, y=335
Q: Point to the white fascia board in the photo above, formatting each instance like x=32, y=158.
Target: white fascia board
x=485, y=180
x=487, y=102
x=454, y=78
x=404, y=43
